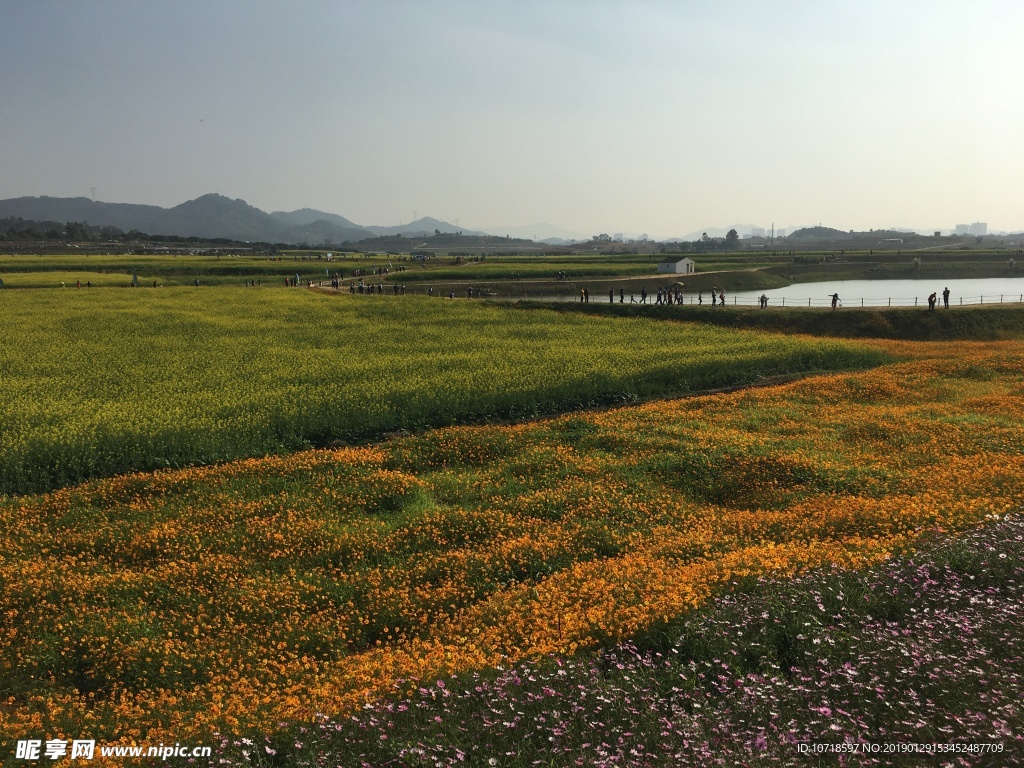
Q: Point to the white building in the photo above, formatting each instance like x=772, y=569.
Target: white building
x=979, y=228
x=961, y=229
x=681, y=267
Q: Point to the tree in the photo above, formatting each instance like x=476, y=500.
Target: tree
x=732, y=238
x=75, y=230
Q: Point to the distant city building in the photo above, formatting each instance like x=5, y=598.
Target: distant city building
x=757, y=232
x=978, y=228
x=680, y=267
x=961, y=229
x=938, y=233
x=780, y=233
x=618, y=237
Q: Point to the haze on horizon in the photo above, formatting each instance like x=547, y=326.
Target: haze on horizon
x=657, y=117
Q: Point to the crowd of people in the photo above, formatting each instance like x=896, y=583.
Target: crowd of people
x=664, y=296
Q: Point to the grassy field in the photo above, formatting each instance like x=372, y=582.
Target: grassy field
x=30, y=271
x=976, y=323
x=94, y=383
x=504, y=268
x=312, y=265
x=260, y=592
x=502, y=276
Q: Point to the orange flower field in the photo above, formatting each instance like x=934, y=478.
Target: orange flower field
x=237, y=596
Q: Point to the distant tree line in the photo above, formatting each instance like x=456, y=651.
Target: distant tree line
x=15, y=228
x=705, y=244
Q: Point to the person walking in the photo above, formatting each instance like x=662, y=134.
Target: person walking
x=643, y=295
x=945, y=297
x=700, y=298
x=611, y=295
x=721, y=297
x=586, y=295
x=622, y=295
x=835, y=301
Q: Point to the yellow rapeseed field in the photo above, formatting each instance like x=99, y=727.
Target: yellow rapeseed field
x=99, y=382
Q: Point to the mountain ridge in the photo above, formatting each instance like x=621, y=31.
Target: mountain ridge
x=425, y=225
x=209, y=216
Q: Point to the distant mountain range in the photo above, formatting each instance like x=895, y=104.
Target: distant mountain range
x=425, y=226
x=215, y=216
x=306, y=216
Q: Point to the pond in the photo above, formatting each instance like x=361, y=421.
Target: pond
x=881, y=293
x=852, y=293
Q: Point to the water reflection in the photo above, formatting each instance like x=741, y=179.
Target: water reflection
x=896, y=293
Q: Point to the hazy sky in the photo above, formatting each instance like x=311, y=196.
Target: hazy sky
x=658, y=117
